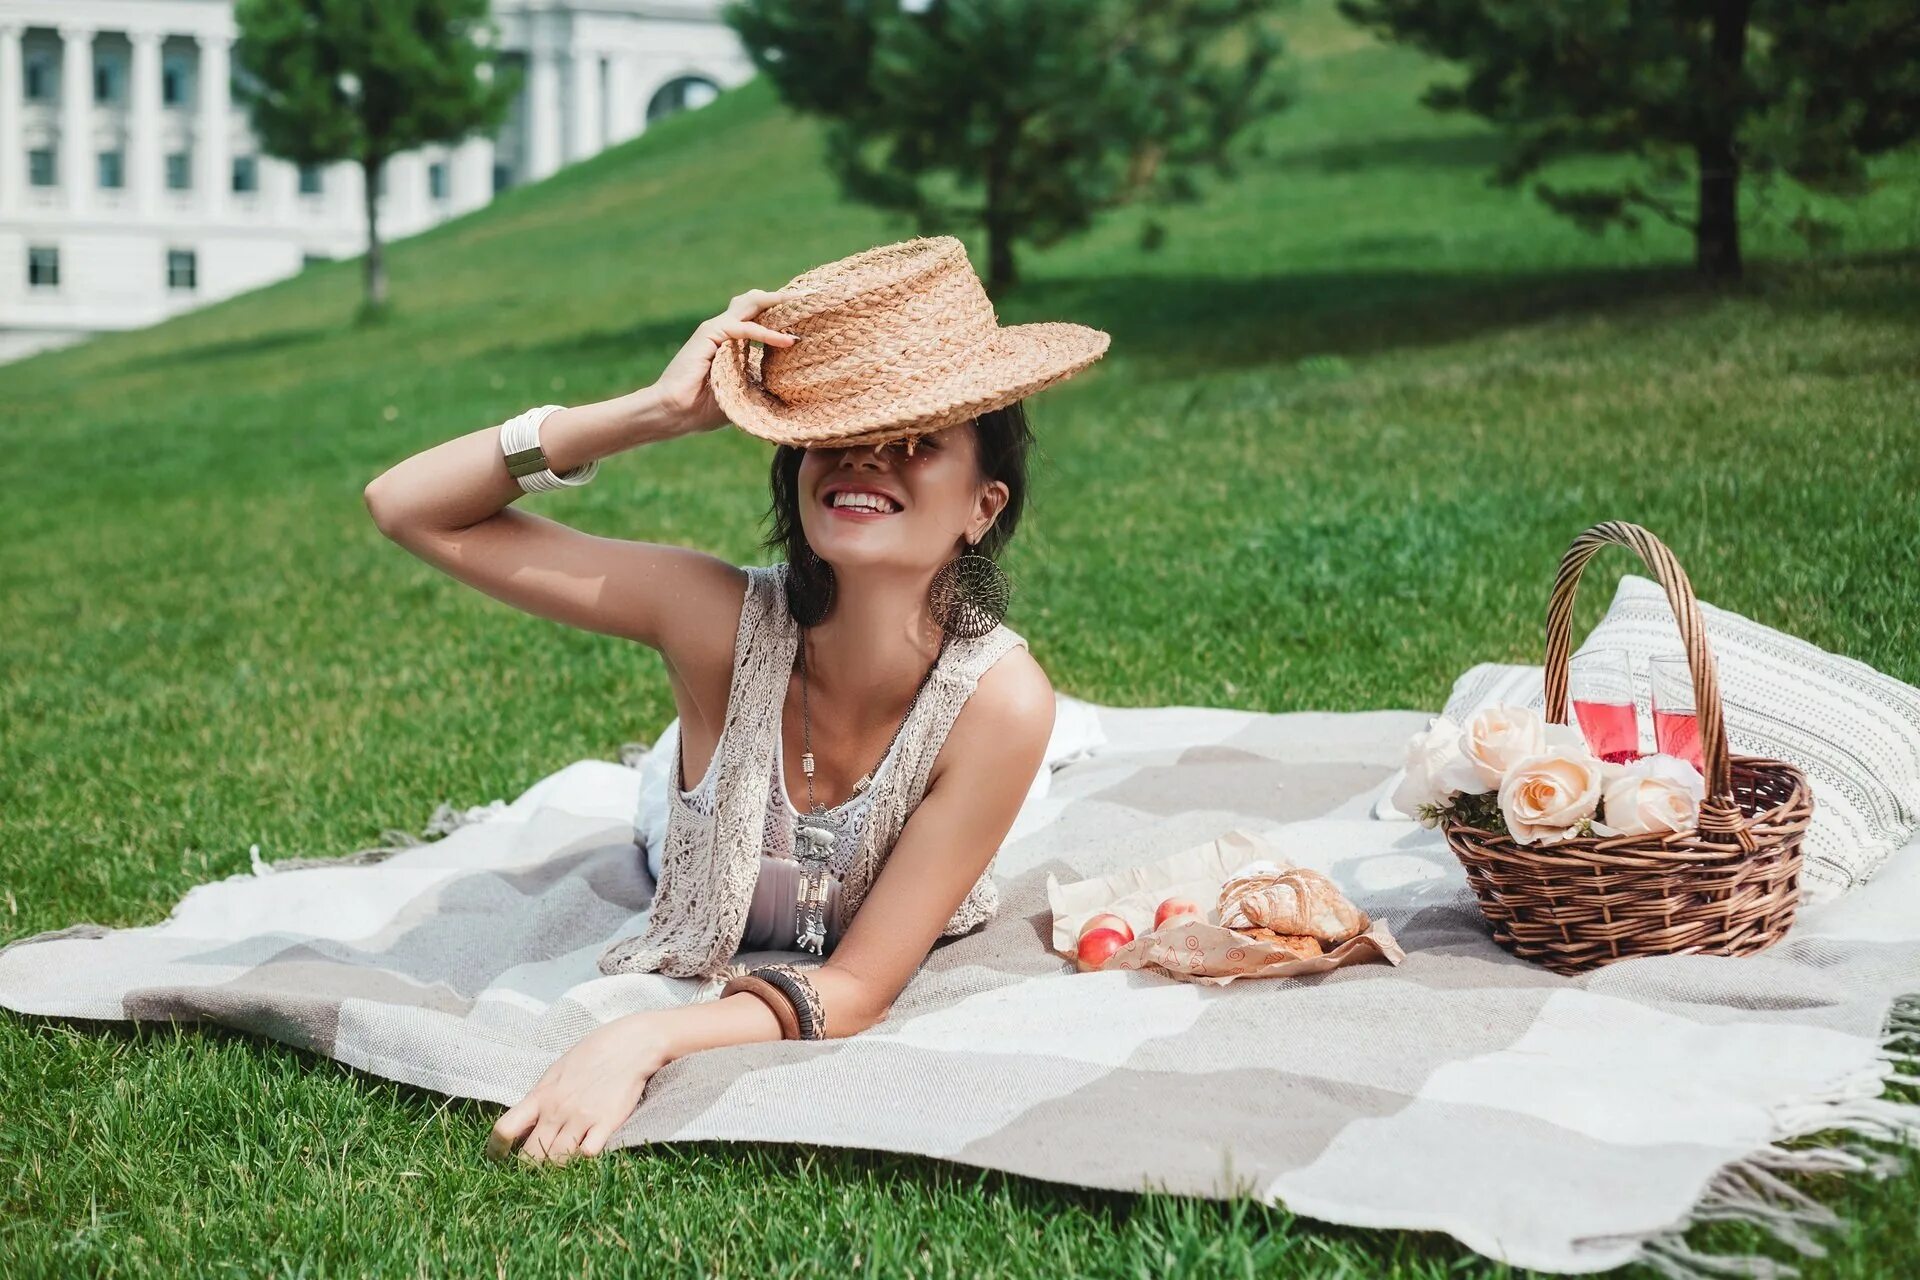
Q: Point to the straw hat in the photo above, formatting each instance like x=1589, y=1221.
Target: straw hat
x=894, y=341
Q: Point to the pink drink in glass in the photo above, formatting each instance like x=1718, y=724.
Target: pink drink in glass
x=1612, y=729
x=1677, y=733
x=1601, y=685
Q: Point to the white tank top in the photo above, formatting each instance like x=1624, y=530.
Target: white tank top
x=777, y=886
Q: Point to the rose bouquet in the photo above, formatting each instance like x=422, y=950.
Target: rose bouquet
x=1508, y=771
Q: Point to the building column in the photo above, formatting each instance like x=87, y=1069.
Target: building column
x=629, y=110
x=406, y=193
x=13, y=156
x=144, y=161
x=279, y=189
x=76, y=116
x=214, y=156
x=583, y=132
x=543, y=113
x=470, y=175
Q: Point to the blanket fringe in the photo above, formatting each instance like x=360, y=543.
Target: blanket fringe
x=446, y=819
x=85, y=929
x=1751, y=1190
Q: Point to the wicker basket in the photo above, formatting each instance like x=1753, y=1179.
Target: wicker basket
x=1728, y=888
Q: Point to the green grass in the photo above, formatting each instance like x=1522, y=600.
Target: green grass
x=1354, y=410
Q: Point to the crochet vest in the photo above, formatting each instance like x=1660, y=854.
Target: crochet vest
x=708, y=863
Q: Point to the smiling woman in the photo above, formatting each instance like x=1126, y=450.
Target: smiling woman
x=874, y=656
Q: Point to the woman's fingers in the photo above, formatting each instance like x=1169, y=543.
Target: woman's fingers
x=513, y=1124
x=539, y=1144
x=753, y=329
x=747, y=305
x=595, y=1139
x=566, y=1142
x=721, y=328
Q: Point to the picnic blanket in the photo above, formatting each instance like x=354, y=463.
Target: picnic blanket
x=1568, y=1124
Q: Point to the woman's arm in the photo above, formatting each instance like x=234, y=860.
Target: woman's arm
x=451, y=505
x=995, y=747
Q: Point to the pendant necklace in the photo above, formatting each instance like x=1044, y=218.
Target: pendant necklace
x=816, y=832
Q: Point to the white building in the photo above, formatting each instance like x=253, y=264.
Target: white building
x=131, y=187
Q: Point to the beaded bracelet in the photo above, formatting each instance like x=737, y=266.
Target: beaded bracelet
x=799, y=989
x=789, y=993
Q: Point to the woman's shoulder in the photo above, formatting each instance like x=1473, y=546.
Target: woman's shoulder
x=1010, y=710
x=1015, y=689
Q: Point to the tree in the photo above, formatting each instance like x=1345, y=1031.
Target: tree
x=1704, y=92
x=1027, y=119
x=363, y=80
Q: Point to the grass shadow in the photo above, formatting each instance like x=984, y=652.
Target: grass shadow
x=1444, y=151
x=1178, y=321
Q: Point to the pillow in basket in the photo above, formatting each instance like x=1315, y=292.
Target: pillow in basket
x=1852, y=730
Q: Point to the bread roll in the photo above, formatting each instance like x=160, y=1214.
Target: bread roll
x=1302, y=946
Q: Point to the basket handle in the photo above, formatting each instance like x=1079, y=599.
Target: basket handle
x=1719, y=814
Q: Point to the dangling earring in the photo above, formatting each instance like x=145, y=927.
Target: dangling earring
x=810, y=588
x=968, y=595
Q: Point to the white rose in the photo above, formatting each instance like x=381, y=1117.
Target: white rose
x=1546, y=796
x=1495, y=737
x=1652, y=795
x=1436, y=771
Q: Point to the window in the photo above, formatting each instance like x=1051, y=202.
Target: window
x=437, y=180
x=310, y=259
x=311, y=180
x=109, y=80
x=113, y=165
x=180, y=171
x=173, y=82
x=40, y=167
x=181, y=268
x=43, y=266
x=39, y=76
x=502, y=178
x=246, y=173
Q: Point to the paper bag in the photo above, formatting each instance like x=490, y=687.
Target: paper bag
x=1195, y=951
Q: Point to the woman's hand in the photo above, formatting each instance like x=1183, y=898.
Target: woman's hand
x=683, y=386
x=586, y=1094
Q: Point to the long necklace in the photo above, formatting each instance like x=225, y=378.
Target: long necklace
x=815, y=834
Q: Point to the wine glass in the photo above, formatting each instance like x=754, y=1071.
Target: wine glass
x=1601, y=681
x=1676, y=720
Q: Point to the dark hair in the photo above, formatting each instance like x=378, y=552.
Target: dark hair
x=1002, y=438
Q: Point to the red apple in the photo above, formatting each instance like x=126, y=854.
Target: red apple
x=1107, y=920
x=1097, y=945
x=1172, y=907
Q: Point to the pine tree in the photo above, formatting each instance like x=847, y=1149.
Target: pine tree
x=1022, y=117
x=363, y=80
x=1705, y=92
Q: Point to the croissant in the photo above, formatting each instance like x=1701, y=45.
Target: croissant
x=1294, y=901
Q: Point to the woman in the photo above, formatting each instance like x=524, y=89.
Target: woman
x=862, y=726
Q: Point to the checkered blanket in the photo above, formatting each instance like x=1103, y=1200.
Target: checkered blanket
x=1567, y=1124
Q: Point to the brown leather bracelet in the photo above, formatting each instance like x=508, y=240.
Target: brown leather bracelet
x=774, y=998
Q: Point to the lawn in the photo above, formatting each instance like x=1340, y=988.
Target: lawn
x=1354, y=410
